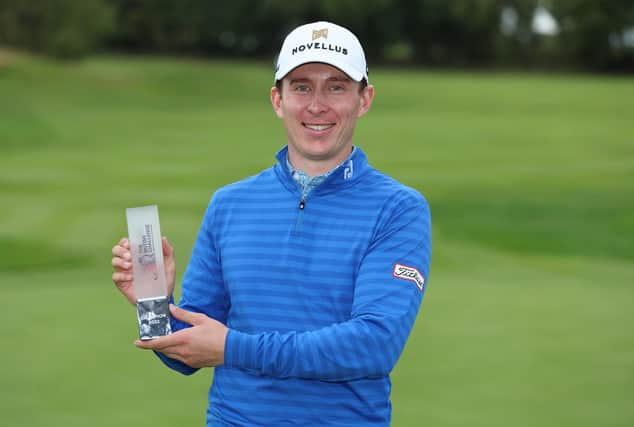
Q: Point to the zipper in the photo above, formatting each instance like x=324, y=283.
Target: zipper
x=300, y=217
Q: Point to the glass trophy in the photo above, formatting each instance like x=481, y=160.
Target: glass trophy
x=150, y=285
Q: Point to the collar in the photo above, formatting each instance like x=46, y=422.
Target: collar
x=343, y=175
x=306, y=183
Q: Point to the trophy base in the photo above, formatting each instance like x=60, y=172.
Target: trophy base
x=154, y=317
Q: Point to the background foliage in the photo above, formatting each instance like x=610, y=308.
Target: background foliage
x=593, y=34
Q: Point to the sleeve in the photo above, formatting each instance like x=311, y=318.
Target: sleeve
x=389, y=289
x=203, y=288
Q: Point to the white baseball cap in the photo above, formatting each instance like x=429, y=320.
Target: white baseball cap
x=323, y=42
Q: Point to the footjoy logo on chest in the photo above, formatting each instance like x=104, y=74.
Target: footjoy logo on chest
x=409, y=273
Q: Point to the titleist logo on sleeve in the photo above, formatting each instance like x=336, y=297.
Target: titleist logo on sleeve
x=409, y=273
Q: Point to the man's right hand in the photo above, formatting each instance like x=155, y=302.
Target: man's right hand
x=122, y=264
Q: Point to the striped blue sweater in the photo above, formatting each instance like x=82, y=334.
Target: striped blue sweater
x=320, y=294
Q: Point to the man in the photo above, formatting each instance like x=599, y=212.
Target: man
x=305, y=280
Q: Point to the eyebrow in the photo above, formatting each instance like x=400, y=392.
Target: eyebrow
x=329, y=79
x=338, y=79
x=293, y=81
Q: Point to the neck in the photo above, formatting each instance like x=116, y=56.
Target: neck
x=315, y=167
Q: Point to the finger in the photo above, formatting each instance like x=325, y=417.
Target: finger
x=160, y=343
x=168, y=250
x=121, y=252
x=187, y=316
x=124, y=242
x=121, y=278
x=153, y=344
x=148, y=344
x=120, y=264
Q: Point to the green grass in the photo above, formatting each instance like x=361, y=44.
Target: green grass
x=528, y=316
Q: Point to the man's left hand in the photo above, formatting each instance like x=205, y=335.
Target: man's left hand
x=202, y=345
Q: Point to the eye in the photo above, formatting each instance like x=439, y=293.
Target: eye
x=336, y=88
x=302, y=88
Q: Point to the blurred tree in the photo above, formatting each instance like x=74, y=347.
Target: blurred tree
x=594, y=33
x=514, y=42
x=377, y=23
x=589, y=33
x=457, y=32
x=152, y=25
x=241, y=27
x=62, y=28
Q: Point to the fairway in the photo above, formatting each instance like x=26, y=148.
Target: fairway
x=527, y=320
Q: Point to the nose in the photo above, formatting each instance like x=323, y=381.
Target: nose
x=317, y=103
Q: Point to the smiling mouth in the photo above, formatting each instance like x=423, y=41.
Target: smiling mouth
x=318, y=127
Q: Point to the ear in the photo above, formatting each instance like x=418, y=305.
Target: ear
x=367, y=96
x=276, y=101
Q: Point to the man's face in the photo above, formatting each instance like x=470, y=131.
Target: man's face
x=320, y=105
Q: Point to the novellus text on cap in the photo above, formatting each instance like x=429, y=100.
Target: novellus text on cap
x=323, y=42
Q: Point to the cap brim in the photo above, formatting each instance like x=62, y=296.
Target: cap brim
x=351, y=72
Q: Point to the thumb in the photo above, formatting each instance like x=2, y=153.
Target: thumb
x=168, y=250
x=187, y=316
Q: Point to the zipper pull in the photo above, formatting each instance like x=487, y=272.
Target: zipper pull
x=302, y=204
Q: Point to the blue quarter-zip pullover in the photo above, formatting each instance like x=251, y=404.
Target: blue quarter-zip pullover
x=319, y=295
